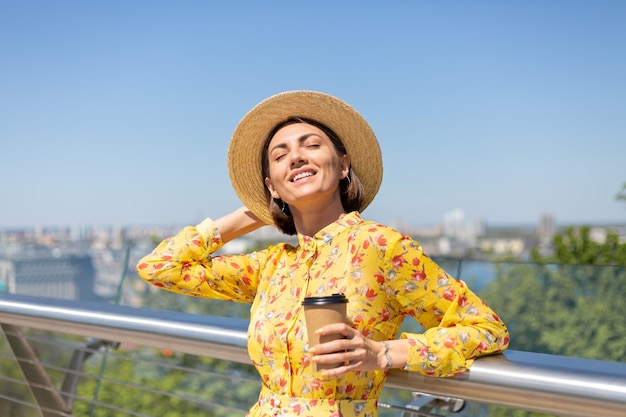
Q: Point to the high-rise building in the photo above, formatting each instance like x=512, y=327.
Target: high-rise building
x=546, y=228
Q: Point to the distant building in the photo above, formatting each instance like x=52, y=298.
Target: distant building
x=546, y=228
x=459, y=234
x=454, y=224
x=69, y=277
x=510, y=246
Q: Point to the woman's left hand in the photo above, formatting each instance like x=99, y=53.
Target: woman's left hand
x=354, y=351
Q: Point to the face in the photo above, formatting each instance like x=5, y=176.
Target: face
x=304, y=166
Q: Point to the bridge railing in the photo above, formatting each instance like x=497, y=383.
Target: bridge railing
x=556, y=385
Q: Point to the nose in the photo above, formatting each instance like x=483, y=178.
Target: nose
x=296, y=158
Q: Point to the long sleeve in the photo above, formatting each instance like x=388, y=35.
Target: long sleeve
x=459, y=325
x=184, y=264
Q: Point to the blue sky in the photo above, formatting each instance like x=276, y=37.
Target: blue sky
x=120, y=112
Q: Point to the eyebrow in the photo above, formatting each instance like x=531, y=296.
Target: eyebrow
x=300, y=140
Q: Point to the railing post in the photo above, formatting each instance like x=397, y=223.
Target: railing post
x=45, y=393
x=80, y=355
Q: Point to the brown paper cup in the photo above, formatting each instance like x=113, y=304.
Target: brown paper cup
x=320, y=311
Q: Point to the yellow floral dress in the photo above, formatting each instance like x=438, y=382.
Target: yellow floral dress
x=385, y=276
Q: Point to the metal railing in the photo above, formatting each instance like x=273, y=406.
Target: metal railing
x=550, y=384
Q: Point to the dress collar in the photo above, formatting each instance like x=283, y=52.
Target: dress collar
x=328, y=233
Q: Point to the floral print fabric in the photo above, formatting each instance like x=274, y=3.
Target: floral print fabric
x=385, y=276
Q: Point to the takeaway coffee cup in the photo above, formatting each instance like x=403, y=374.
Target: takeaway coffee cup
x=320, y=311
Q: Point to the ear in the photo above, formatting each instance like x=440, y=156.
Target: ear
x=270, y=187
x=344, y=165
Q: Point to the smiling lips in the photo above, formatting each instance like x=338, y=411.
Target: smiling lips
x=302, y=175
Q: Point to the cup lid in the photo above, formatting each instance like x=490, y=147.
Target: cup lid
x=328, y=299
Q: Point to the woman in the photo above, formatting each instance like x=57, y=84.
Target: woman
x=308, y=163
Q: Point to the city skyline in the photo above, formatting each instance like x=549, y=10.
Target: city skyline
x=120, y=113
x=546, y=220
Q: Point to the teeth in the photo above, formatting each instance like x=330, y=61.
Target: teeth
x=302, y=175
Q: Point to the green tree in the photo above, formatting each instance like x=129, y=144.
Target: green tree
x=576, y=246
x=165, y=384
x=567, y=303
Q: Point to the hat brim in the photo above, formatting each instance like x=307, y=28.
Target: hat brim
x=245, y=149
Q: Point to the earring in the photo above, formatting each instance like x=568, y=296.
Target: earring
x=347, y=177
x=282, y=207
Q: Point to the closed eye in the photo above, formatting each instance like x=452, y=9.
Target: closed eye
x=311, y=142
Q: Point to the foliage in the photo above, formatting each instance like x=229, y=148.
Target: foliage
x=51, y=350
x=164, y=384
x=563, y=310
x=132, y=381
x=576, y=246
x=10, y=372
x=569, y=304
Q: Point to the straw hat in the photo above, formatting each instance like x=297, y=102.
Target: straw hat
x=244, y=151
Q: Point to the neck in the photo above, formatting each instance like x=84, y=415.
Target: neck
x=311, y=219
